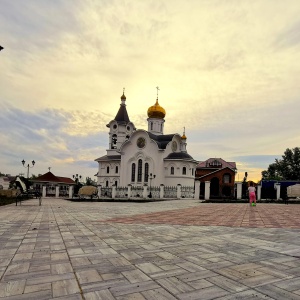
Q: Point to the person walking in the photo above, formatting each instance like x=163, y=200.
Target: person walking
x=252, y=196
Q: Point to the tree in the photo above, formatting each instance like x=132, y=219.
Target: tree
x=287, y=168
x=89, y=181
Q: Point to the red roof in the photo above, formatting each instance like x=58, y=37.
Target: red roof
x=213, y=163
x=49, y=177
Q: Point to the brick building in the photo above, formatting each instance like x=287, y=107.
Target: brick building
x=221, y=175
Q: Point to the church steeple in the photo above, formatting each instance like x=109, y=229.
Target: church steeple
x=122, y=115
x=120, y=128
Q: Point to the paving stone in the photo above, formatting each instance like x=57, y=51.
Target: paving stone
x=142, y=250
x=99, y=295
x=88, y=276
x=277, y=293
x=133, y=288
x=61, y=268
x=134, y=296
x=227, y=284
x=174, y=285
x=289, y=285
x=204, y=294
x=158, y=294
x=38, y=288
x=65, y=287
x=12, y=288
x=135, y=276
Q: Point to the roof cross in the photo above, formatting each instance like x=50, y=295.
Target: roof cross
x=157, y=91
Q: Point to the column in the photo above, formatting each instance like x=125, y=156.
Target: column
x=162, y=191
x=239, y=189
x=277, y=188
x=258, y=192
x=44, y=193
x=178, y=191
x=71, y=191
x=113, y=191
x=145, y=191
x=207, y=190
x=57, y=191
x=129, y=191
x=99, y=190
x=197, y=190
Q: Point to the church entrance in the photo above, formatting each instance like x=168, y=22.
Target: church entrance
x=214, y=187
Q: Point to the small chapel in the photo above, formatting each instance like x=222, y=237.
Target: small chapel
x=140, y=157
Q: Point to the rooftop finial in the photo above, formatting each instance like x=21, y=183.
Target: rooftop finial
x=123, y=97
x=157, y=92
x=183, y=136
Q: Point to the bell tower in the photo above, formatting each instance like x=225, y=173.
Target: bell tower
x=120, y=128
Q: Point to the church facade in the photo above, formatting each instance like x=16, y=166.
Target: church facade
x=140, y=157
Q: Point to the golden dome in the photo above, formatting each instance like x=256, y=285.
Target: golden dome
x=156, y=111
x=123, y=97
x=183, y=137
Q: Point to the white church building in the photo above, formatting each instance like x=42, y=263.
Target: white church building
x=137, y=158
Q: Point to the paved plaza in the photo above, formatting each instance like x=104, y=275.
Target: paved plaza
x=180, y=249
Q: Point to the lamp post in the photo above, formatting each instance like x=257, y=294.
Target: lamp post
x=151, y=177
x=78, y=185
x=77, y=178
x=28, y=166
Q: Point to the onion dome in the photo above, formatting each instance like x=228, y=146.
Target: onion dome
x=156, y=111
x=123, y=97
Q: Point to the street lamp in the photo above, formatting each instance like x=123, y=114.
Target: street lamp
x=151, y=177
x=77, y=178
x=28, y=166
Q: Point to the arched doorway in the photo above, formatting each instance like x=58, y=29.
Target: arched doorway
x=226, y=191
x=214, y=187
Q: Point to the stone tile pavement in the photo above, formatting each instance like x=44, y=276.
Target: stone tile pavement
x=164, y=250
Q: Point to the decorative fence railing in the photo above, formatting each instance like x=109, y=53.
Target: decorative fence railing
x=121, y=192
x=144, y=192
x=154, y=191
x=187, y=192
x=106, y=192
x=137, y=192
x=170, y=192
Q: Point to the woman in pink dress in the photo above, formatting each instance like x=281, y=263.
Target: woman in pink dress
x=252, y=196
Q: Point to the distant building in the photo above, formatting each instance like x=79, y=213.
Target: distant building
x=52, y=184
x=139, y=157
x=221, y=175
x=4, y=182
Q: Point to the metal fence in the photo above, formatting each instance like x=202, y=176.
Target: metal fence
x=187, y=192
x=170, y=192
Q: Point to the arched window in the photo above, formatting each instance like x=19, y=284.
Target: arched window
x=192, y=172
x=107, y=169
x=172, y=170
x=106, y=183
x=146, y=172
x=114, y=141
x=161, y=127
x=133, y=172
x=151, y=126
x=117, y=169
x=226, y=178
x=116, y=183
x=184, y=171
x=140, y=168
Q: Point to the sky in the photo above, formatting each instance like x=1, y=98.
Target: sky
x=228, y=71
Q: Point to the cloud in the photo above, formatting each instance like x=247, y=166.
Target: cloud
x=226, y=72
